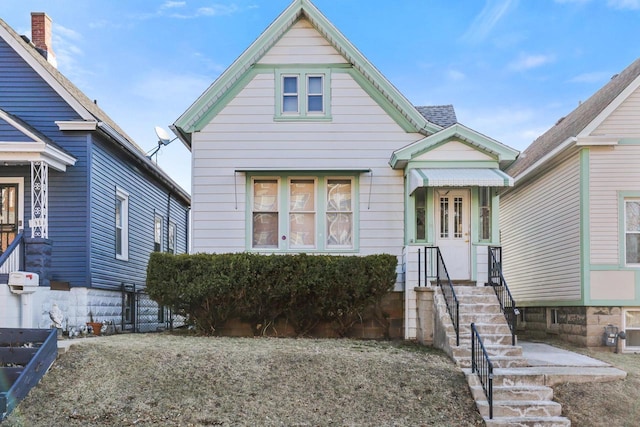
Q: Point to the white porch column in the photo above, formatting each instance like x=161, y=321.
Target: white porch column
x=39, y=222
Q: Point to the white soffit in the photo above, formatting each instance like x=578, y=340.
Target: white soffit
x=459, y=178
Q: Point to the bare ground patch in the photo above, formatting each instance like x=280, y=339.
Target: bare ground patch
x=173, y=380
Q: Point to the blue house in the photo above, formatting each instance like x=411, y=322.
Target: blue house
x=81, y=204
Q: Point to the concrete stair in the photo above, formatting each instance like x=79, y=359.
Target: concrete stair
x=520, y=396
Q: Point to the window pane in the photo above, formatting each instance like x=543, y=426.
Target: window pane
x=420, y=200
x=172, y=238
x=301, y=195
x=290, y=104
x=633, y=248
x=339, y=226
x=457, y=212
x=444, y=217
x=265, y=195
x=315, y=85
x=485, y=213
x=265, y=230
x=339, y=195
x=632, y=319
x=633, y=216
x=315, y=103
x=118, y=213
x=633, y=338
x=302, y=230
x=290, y=85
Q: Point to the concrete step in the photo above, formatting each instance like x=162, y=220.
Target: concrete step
x=527, y=422
x=464, y=350
x=502, y=362
x=480, y=307
x=532, y=392
x=487, y=339
x=510, y=377
x=479, y=318
x=473, y=290
x=485, y=328
x=520, y=408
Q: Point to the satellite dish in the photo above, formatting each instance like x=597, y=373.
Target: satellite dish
x=163, y=136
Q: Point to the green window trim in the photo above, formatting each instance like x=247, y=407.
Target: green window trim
x=625, y=197
x=283, y=211
x=313, y=94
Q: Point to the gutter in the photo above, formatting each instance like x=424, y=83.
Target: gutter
x=559, y=149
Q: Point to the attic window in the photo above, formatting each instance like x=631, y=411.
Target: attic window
x=302, y=95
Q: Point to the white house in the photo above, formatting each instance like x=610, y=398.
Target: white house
x=302, y=145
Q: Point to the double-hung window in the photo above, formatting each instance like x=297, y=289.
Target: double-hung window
x=122, y=225
x=171, y=247
x=632, y=231
x=302, y=213
x=157, y=233
x=484, y=208
x=302, y=95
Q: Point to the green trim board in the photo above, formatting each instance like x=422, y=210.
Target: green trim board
x=585, y=224
x=192, y=119
x=303, y=74
x=400, y=158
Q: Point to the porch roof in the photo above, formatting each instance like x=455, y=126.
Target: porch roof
x=488, y=177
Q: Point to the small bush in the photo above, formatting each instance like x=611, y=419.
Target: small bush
x=302, y=289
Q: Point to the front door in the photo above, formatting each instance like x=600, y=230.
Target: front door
x=452, y=231
x=9, y=213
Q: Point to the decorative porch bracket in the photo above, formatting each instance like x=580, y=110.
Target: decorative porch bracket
x=39, y=222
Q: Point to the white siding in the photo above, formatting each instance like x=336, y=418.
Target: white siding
x=540, y=234
x=244, y=135
x=454, y=151
x=611, y=170
x=302, y=44
x=625, y=120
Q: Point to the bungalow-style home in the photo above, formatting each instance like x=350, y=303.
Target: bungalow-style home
x=302, y=145
x=571, y=224
x=82, y=206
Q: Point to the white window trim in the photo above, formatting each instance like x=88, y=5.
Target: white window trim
x=303, y=112
x=315, y=212
x=157, y=217
x=251, y=211
x=308, y=94
x=351, y=212
x=285, y=94
x=123, y=196
x=628, y=348
x=171, y=245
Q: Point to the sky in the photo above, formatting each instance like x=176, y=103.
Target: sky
x=511, y=68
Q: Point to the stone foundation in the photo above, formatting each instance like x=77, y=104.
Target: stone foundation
x=583, y=326
x=389, y=326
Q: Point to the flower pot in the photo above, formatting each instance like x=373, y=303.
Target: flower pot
x=96, y=327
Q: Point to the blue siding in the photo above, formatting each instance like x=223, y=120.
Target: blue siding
x=11, y=134
x=110, y=170
x=25, y=94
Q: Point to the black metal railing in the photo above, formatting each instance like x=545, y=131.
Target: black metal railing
x=430, y=263
x=496, y=280
x=142, y=314
x=481, y=365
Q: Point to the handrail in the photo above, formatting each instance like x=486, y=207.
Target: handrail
x=443, y=281
x=12, y=258
x=482, y=365
x=496, y=280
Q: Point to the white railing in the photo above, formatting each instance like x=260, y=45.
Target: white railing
x=11, y=259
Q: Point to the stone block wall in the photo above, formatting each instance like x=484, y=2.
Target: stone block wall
x=582, y=326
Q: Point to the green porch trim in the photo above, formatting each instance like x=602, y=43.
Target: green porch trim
x=458, y=132
x=585, y=224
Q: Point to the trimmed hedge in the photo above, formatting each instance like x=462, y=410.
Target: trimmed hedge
x=211, y=289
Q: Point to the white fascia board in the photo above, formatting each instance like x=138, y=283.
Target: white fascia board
x=81, y=125
x=36, y=152
x=586, y=141
x=559, y=149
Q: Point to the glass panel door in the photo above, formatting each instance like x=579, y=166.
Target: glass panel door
x=8, y=214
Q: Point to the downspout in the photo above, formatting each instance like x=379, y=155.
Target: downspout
x=168, y=219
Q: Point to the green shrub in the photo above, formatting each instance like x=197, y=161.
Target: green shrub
x=303, y=289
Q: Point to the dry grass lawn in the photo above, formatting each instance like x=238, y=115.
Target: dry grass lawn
x=173, y=380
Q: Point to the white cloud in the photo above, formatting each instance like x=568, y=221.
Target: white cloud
x=455, y=75
x=492, y=12
x=624, y=4
x=173, y=4
x=593, y=77
x=529, y=61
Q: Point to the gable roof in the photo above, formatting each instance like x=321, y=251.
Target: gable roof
x=36, y=145
x=442, y=115
x=193, y=119
x=502, y=153
x=84, y=107
x=573, y=124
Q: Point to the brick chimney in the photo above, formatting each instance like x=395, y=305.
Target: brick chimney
x=41, y=36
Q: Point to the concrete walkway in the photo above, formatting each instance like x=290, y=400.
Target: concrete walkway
x=560, y=366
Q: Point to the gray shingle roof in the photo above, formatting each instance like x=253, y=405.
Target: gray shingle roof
x=576, y=121
x=441, y=115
